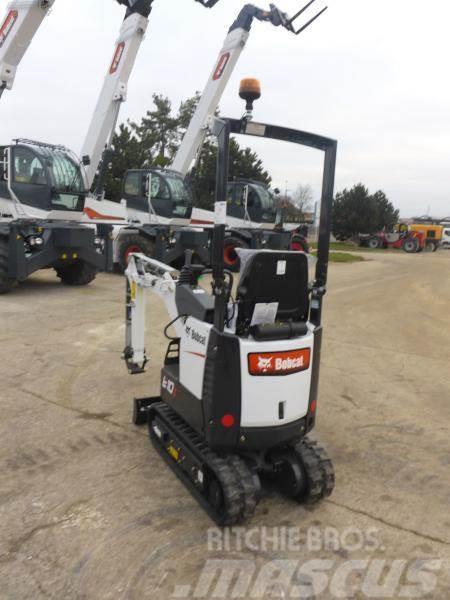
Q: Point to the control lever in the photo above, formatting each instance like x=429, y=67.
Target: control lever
x=190, y=273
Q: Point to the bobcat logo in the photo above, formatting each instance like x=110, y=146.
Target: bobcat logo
x=264, y=364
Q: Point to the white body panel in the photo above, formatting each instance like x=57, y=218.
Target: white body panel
x=10, y=210
x=104, y=211
x=204, y=217
x=193, y=347
x=23, y=19
x=114, y=91
x=261, y=395
x=220, y=76
x=146, y=218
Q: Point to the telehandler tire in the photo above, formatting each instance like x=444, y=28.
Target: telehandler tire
x=134, y=244
x=6, y=282
x=77, y=273
x=230, y=257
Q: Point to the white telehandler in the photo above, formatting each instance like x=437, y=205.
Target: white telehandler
x=43, y=186
x=45, y=190
x=252, y=223
x=158, y=205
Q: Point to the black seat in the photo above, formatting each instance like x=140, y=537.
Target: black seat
x=269, y=277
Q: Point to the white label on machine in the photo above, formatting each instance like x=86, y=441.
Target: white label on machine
x=264, y=314
x=255, y=129
x=220, y=213
x=157, y=430
x=281, y=267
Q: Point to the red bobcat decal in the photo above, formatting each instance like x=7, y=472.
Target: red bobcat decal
x=279, y=363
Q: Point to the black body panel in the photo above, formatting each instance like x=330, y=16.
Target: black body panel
x=314, y=390
x=194, y=302
x=171, y=243
x=180, y=399
x=264, y=438
x=222, y=390
x=63, y=242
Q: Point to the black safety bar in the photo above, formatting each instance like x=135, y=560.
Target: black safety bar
x=301, y=138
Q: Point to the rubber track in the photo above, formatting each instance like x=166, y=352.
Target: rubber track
x=248, y=485
x=319, y=471
x=236, y=480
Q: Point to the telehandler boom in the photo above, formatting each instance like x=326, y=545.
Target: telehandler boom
x=23, y=19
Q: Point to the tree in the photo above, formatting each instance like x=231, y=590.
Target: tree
x=128, y=153
x=357, y=211
x=244, y=164
x=157, y=132
x=303, y=199
x=153, y=142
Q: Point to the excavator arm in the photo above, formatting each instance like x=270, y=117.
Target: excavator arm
x=17, y=30
x=230, y=53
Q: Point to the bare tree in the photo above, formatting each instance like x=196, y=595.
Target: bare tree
x=303, y=199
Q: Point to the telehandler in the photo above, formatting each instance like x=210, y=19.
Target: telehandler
x=251, y=230
x=45, y=190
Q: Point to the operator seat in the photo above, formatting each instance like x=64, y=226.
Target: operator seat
x=269, y=277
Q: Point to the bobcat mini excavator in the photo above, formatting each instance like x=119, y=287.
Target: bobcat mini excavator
x=239, y=385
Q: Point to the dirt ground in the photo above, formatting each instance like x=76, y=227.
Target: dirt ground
x=88, y=509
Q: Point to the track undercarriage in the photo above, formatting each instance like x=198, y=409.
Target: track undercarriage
x=229, y=486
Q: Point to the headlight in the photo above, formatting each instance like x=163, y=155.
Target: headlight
x=35, y=241
x=98, y=241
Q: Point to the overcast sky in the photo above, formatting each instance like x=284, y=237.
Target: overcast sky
x=371, y=73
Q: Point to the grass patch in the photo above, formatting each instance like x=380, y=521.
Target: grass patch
x=351, y=247
x=344, y=257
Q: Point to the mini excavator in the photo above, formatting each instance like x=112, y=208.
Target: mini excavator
x=239, y=385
